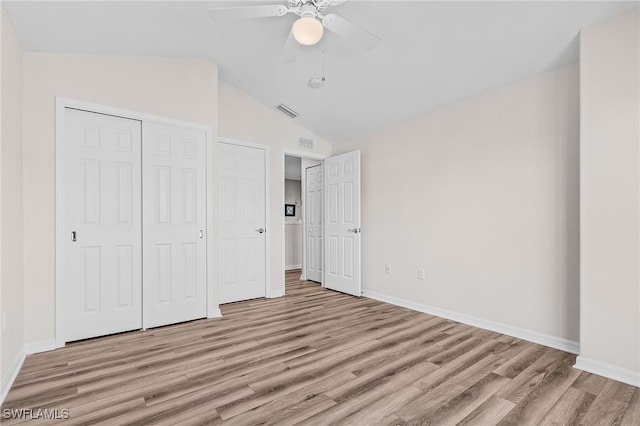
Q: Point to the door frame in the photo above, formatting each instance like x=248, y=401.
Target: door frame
x=61, y=103
x=267, y=206
x=309, y=156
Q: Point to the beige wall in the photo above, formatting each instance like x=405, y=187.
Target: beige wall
x=11, y=246
x=293, y=245
x=182, y=89
x=610, y=193
x=483, y=195
x=241, y=117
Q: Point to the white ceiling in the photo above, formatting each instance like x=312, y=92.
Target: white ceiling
x=433, y=52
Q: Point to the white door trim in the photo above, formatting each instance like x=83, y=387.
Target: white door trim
x=61, y=103
x=267, y=206
x=309, y=156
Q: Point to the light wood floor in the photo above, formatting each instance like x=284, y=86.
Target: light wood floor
x=318, y=357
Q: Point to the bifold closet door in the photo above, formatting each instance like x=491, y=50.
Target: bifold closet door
x=102, y=225
x=174, y=224
x=313, y=221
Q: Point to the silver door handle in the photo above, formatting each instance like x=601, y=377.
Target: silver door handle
x=354, y=230
x=73, y=236
x=261, y=230
x=201, y=234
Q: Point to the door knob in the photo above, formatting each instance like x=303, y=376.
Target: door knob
x=261, y=230
x=354, y=230
x=201, y=234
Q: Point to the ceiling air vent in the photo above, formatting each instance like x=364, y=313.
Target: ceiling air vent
x=306, y=143
x=286, y=110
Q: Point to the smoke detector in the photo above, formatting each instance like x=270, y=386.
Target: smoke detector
x=316, y=82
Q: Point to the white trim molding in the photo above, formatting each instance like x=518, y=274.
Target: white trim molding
x=609, y=371
x=11, y=374
x=272, y=294
x=42, y=346
x=292, y=267
x=520, y=333
x=16, y=365
x=215, y=313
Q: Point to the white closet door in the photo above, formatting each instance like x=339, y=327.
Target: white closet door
x=174, y=224
x=242, y=189
x=342, y=223
x=313, y=222
x=102, y=225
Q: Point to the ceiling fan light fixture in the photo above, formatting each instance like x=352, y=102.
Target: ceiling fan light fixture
x=307, y=30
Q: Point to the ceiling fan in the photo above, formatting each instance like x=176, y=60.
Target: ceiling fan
x=308, y=29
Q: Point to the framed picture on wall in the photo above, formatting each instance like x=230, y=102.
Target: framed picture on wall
x=289, y=209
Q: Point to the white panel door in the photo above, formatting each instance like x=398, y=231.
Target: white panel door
x=102, y=225
x=313, y=222
x=174, y=224
x=241, y=193
x=342, y=223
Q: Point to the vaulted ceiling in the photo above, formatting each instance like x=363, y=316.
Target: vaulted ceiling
x=433, y=52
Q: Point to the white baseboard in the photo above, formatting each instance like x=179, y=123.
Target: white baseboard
x=520, y=333
x=215, y=313
x=275, y=293
x=290, y=267
x=609, y=371
x=11, y=374
x=42, y=346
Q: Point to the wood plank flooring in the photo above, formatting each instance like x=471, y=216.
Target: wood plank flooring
x=316, y=357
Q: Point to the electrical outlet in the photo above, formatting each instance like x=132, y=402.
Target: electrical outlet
x=420, y=274
x=387, y=269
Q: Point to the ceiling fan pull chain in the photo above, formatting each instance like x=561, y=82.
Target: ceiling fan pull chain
x=323, y=79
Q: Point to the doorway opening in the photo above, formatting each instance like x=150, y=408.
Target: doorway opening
x=302, y=252
x=330, y=187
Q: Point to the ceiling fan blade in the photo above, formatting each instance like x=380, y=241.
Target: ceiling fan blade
x=322, y=4
x=291, y=50
x=351, y=32
x=248, y=12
